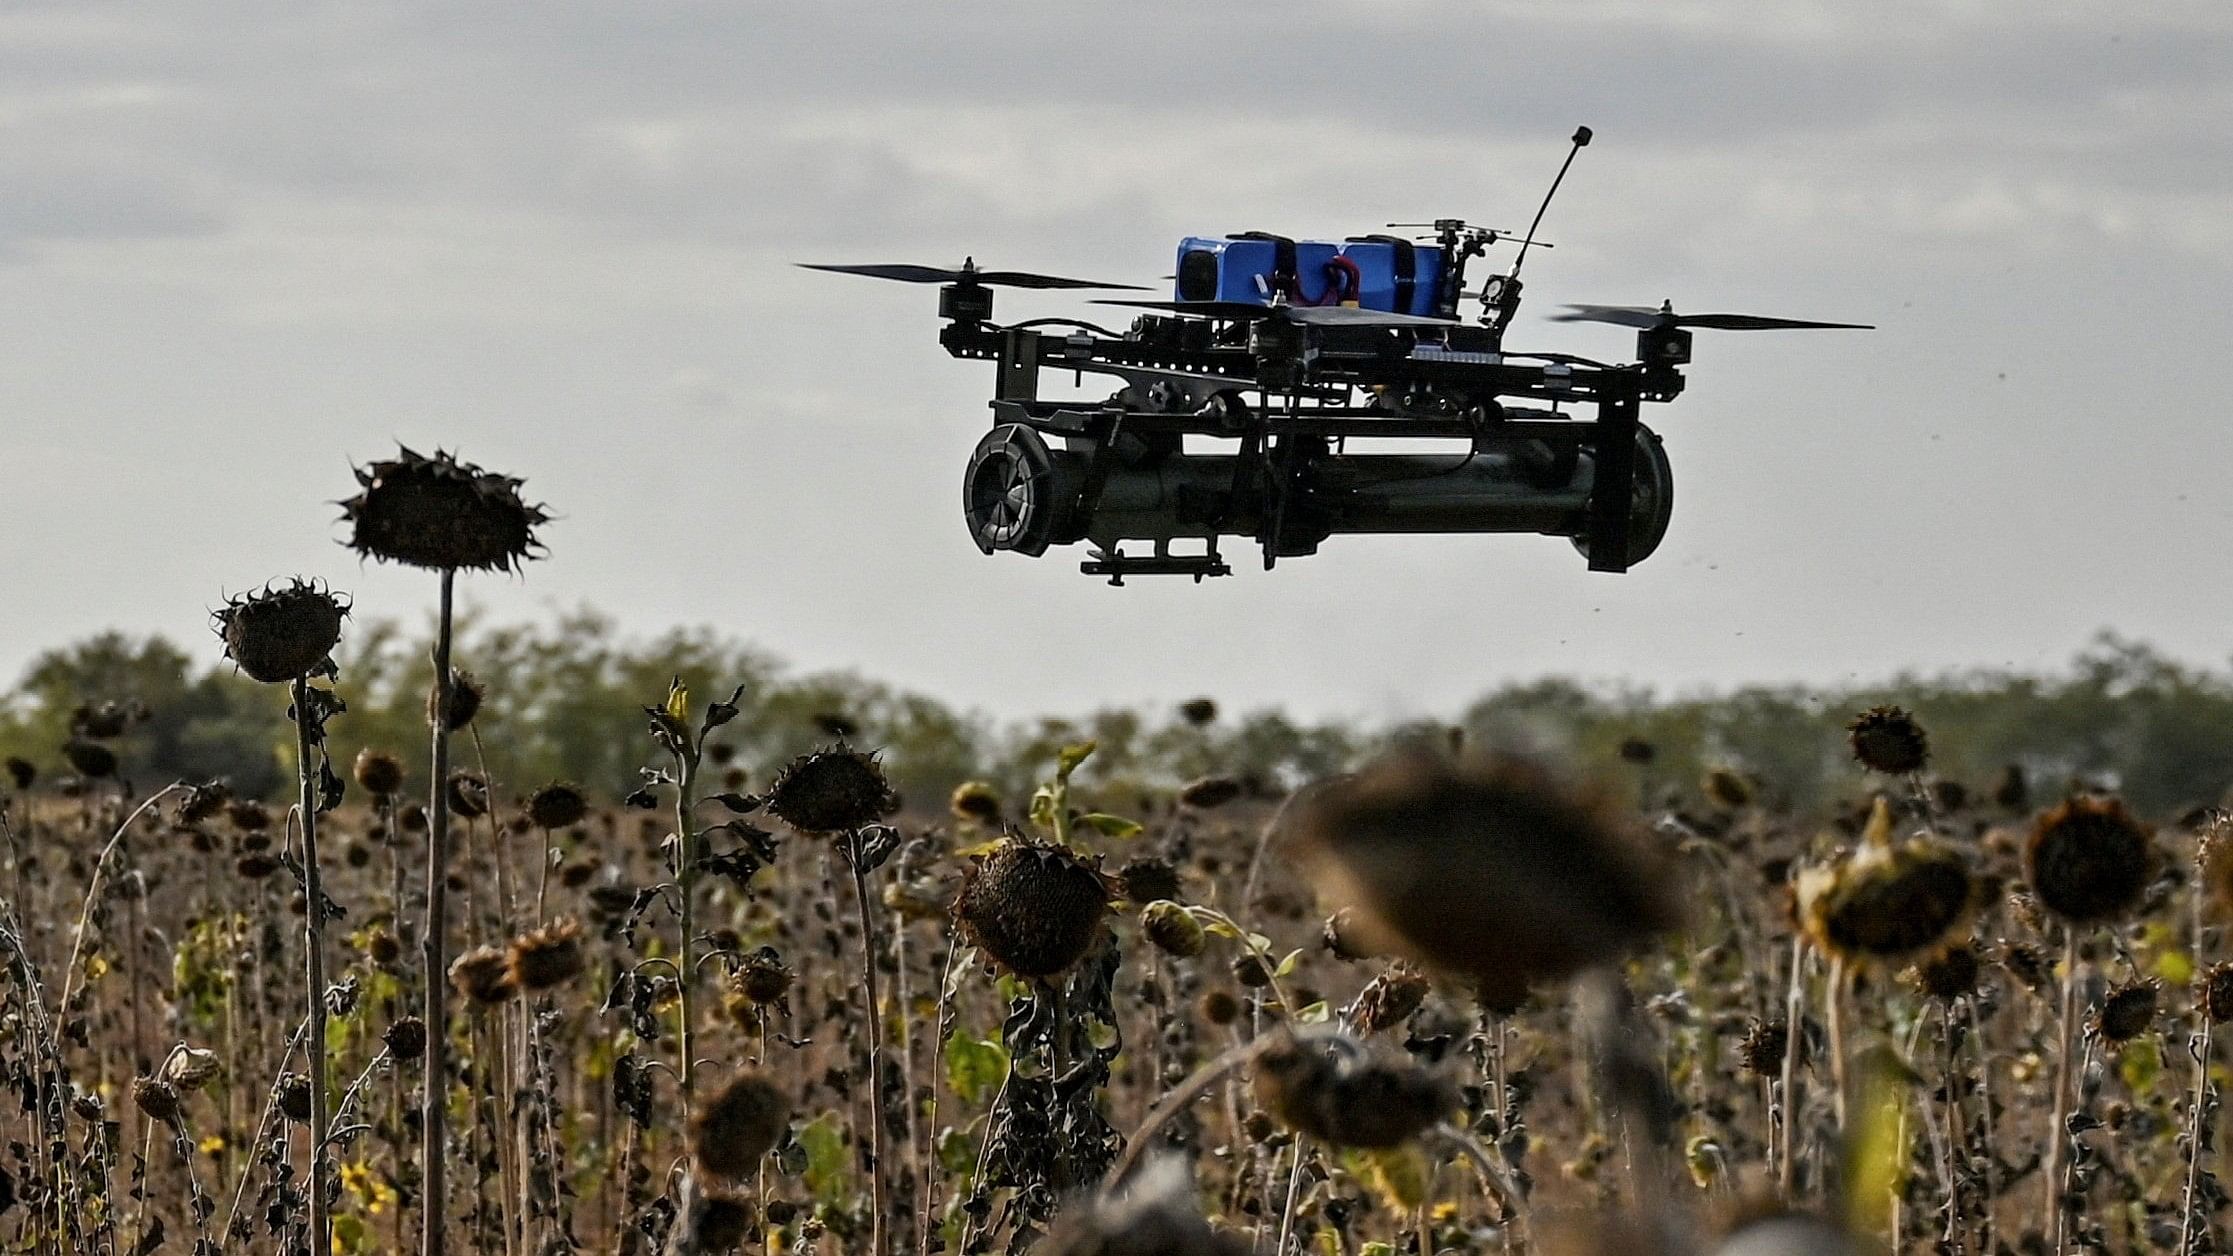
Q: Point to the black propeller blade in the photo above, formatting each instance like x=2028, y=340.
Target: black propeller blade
x=1307, y=315
x=1645, y=316
x=967, y=274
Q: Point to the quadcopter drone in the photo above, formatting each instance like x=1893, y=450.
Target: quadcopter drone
x=1281, y=352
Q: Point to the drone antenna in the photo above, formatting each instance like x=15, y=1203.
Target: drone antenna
x=1581, y=141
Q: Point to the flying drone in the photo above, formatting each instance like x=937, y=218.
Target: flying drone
x=1278, y=353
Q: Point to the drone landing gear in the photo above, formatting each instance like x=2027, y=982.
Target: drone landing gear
x=1116, y=564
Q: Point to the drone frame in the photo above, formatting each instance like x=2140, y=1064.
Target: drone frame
x=1271, y=381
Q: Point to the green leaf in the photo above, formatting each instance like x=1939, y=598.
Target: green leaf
x=974, y=1066
x=1314, y=1014
x=1288, y=963
x=826, y=1159
x=957, y=1154
x=1110, y=826
x=1068, y=759
x=1213, y=922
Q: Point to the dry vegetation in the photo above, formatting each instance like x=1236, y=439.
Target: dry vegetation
x=1449, y=1001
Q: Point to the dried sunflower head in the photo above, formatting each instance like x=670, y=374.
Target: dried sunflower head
x=1887, y=739
x=467, y=692
x=156, y=1098
x=1036, y=910
x=294, y=1097
x=2025, y=963
x=1490, y=870
x=2213, y=992
x=546, y=958
x=203, y=802
x=191, y=1068
x=1333, y=1088
x=1762, y=1048
x=441, y=514
x=558, y=805
x=1172, y=929
x=742, y=1122
x=832, y=790
x=484, y=975
x=763, y=978
x=281, y=634
x=1950, y=974
x=1218, y=1006
x=22, y=771
x=2127, y=1011
x=1148, y=880
x=379, y=772
x=1727, y=788
x=717, y=1223
x=108, y=719
x=1210, y=792
x=89, y=759
x=405, y=1038
x=468, y=794
x=2088, y=859
x=976, y=802
x=1388, y=1000
x=1198, y=712
x=1888, y=902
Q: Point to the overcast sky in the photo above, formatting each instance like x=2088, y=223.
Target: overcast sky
x=244, y=244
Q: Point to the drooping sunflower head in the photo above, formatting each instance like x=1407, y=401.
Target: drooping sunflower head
x=1490, y=870
x=281, y=633
x=832, y=790
x=1036, y=910
x=441, y=514
x=1887, y=739
x=2088, y=859
x=1888, y=902
x=743, y=1121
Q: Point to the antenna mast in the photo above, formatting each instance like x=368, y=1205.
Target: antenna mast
x=1504, y=294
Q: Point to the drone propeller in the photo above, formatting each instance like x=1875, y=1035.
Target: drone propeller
x=1307, y=315
x=967, y=274
x=1644, y=316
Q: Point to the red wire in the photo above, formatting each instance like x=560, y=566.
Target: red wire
x=1343, y=288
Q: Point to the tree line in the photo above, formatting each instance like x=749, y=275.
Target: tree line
x=564, y=702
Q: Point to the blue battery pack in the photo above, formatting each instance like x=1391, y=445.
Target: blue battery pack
x=1373, y=272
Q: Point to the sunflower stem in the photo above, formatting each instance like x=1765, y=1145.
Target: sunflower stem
x=314, y=968
x=1794, y=1020
x=686, y=884
x=877, y=1189
x=434, y=1092
x=2200, y=1047
x=2060, y=1117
